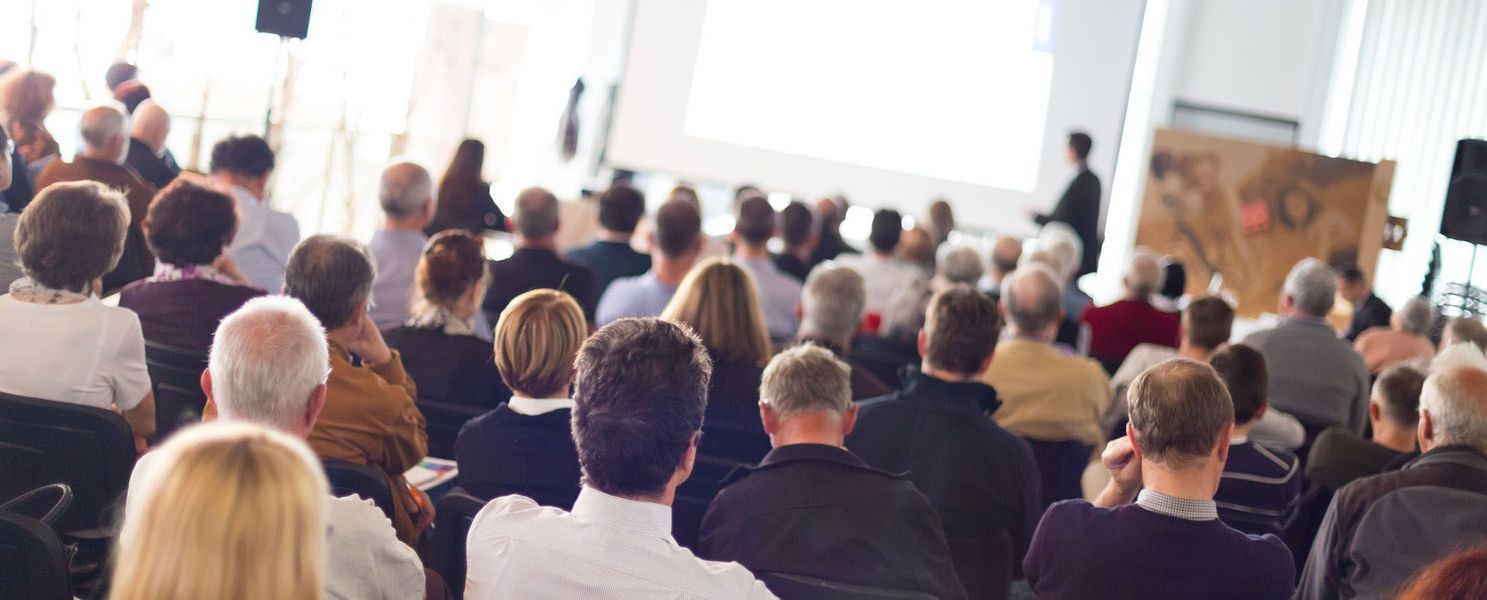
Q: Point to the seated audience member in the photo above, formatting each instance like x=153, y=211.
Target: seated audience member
x=980, y=479
x=882, y=272
x=1118, y=327
x=711, y=246
x=439, y=345
x=1380, y=530
x=1464, y=329
x=798, y=233
x=917, y=248
x=779, y=293
x=1339, y=456
x=123, y=82
x=831, y=314
x=640, y=395
x=148, y=155
x=265, y=236
x=105, y=139
x=1368, y=310
x=676, y=245
x=523, y=446
x=1068, y=251
x=1169, y=542
x=195, y=285
x=268, y=367
x=611, y=257
x=1047, y=395
x=1261, y=485
x=232, y=511
x=69, y=236
x=1460, y=575
x=1207, y=323
x=941, y=221
x=1313, y=375
x=465, y=196
x=406, y=193
x=1004, y=256
x=1406, y=338
x=814, y=509
x=904, y=316
x=10, y=269
x=369, y=417
x=829, y=243
x=536, y=265
x=26, y=98
x=718, y=301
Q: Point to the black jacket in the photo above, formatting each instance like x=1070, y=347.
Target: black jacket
x=819, y=511
x=1079, y=207
x=731, y=429
x=533, y=269
x=980, y=478
x=1371, y=312
x=457, y=369
x=157, y=170
x=503, y=452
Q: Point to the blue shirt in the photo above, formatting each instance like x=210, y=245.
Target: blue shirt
x=610, y=261
x=396, y=255
x=779, y=296
x=642, y=296
x=264, y=240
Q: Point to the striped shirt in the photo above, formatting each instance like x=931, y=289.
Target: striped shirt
x=1260, y=487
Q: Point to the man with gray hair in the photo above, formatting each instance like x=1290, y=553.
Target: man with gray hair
x=104, y=131
x=1407, y=338
x=268, y=365
x=810, y=493
x=831, y=307
x=406, y=194
x=1118, y=327
x=1314, y=375
x=536, y=264
x=148, y=154
x=1380, y=530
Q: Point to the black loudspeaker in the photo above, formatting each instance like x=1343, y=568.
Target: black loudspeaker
x=1465, y=215
x=289, y=18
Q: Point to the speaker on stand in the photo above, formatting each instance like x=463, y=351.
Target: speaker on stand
x=1464, y=217
x=288, y=19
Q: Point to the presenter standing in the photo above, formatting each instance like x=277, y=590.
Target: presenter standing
x=1079, y=207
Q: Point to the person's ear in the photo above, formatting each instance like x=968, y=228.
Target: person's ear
x=985, y=364
x=1135, y=442
x=1425, y=432
x=650, y=241
x=1222, y=443
x=768, y=418
x=1260, y=412
x=206, y=384
x=923, y=342
x=1374, y=411
x=314, y=406
x=849, y=419
x=689, y=458
x=428, y=209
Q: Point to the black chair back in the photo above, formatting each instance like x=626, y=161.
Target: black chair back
x=1061, y=468
x=452, y=517
x=33, y=565
x=984, y=565
x=790, y=586
x=348, y=479
x=89, y=449
x=694, y=496
x=44, y=504
x=445, y=419
x=175, y=377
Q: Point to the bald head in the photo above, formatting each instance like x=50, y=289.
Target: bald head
x=1030, y=300
x=1180, y=412
x=102, y=129
x=406, y=191
x=151, y=125
x=1453, y=402
x=1004, y=256
x=1143, y=275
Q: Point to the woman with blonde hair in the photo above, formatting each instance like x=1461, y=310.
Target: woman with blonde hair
x=718, y=300
x=26, y=98
x=524, y=446
x=228, y=510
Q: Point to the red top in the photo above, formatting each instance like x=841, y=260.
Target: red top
x=1118, y=327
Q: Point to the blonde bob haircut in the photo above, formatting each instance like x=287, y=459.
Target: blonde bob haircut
x=537, y=339
x=225, y=510
x=718, y=300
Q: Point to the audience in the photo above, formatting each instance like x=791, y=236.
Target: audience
x=611, y=257
x=1406, y=338
x=1169, y=542
x=1368, y=310
x=265, y=237
x=123, y=82
x=230, y=511
x=917, y=248
x=465, y=197
x=406, y=193
x=1460, y=575
x=268, y=367
x=941, y=221
x=882, y=272
x=188, y=227
x=779, y=293
x=640, y=394
x=523, y=446
x=676, y=245
x=1260, y=486
x=440, y=343
x=65, y=344
x=1339, y=456
x=814, y=509
x=536, y=265
x=1380, y=530
x=103, y=131
x=1313, y=374
x=1464, y=329
x=148, y=154
x=711, y=246
x=831, y=307
x=1067, y=252
x=829, y=243
x=1118, y=327
x=799, y=236
x=980, y=479
x=10, y=269
x=26, y=98
x=1004, y=256
x=719, y=302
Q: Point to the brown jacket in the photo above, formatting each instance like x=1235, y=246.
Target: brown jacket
x=137, y=262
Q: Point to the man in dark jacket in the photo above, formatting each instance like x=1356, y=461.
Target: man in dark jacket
x=1079, y=207
x=812, y=509
x=980, y=478
x=148, y=155
x=536, y=264
x=1368, y=309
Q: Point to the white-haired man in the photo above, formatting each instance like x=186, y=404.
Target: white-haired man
x=1314, y=375
x=1380, y=530
x=831, y=308
x=268, y=365
x=1118, y=327
x=104, y=132
x=148, y=155
x=406, y=193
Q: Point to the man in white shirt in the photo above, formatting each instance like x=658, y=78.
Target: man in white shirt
x=407, y=197
x=640, y=393
x=268, y=365
x=882, y=273
x=779, y=293
x=265, y=236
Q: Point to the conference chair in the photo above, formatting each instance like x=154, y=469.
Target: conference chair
x=984, y=564
x=694, y=496
x=347, y=478
x=453, y=514
x=445, y=419
x=1060, y=468
x=33, y=564
x=175, y=377
x=91, y=450
x=790, y=585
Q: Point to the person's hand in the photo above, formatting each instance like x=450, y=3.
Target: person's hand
x=425, y=515
x=369, y=344
x=229, y=267
x=1120, y=459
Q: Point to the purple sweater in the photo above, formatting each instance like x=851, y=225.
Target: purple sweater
x=183, y=314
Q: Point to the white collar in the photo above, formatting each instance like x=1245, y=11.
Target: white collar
x=532, y=407
x=644, y=517
x=1236, y=440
